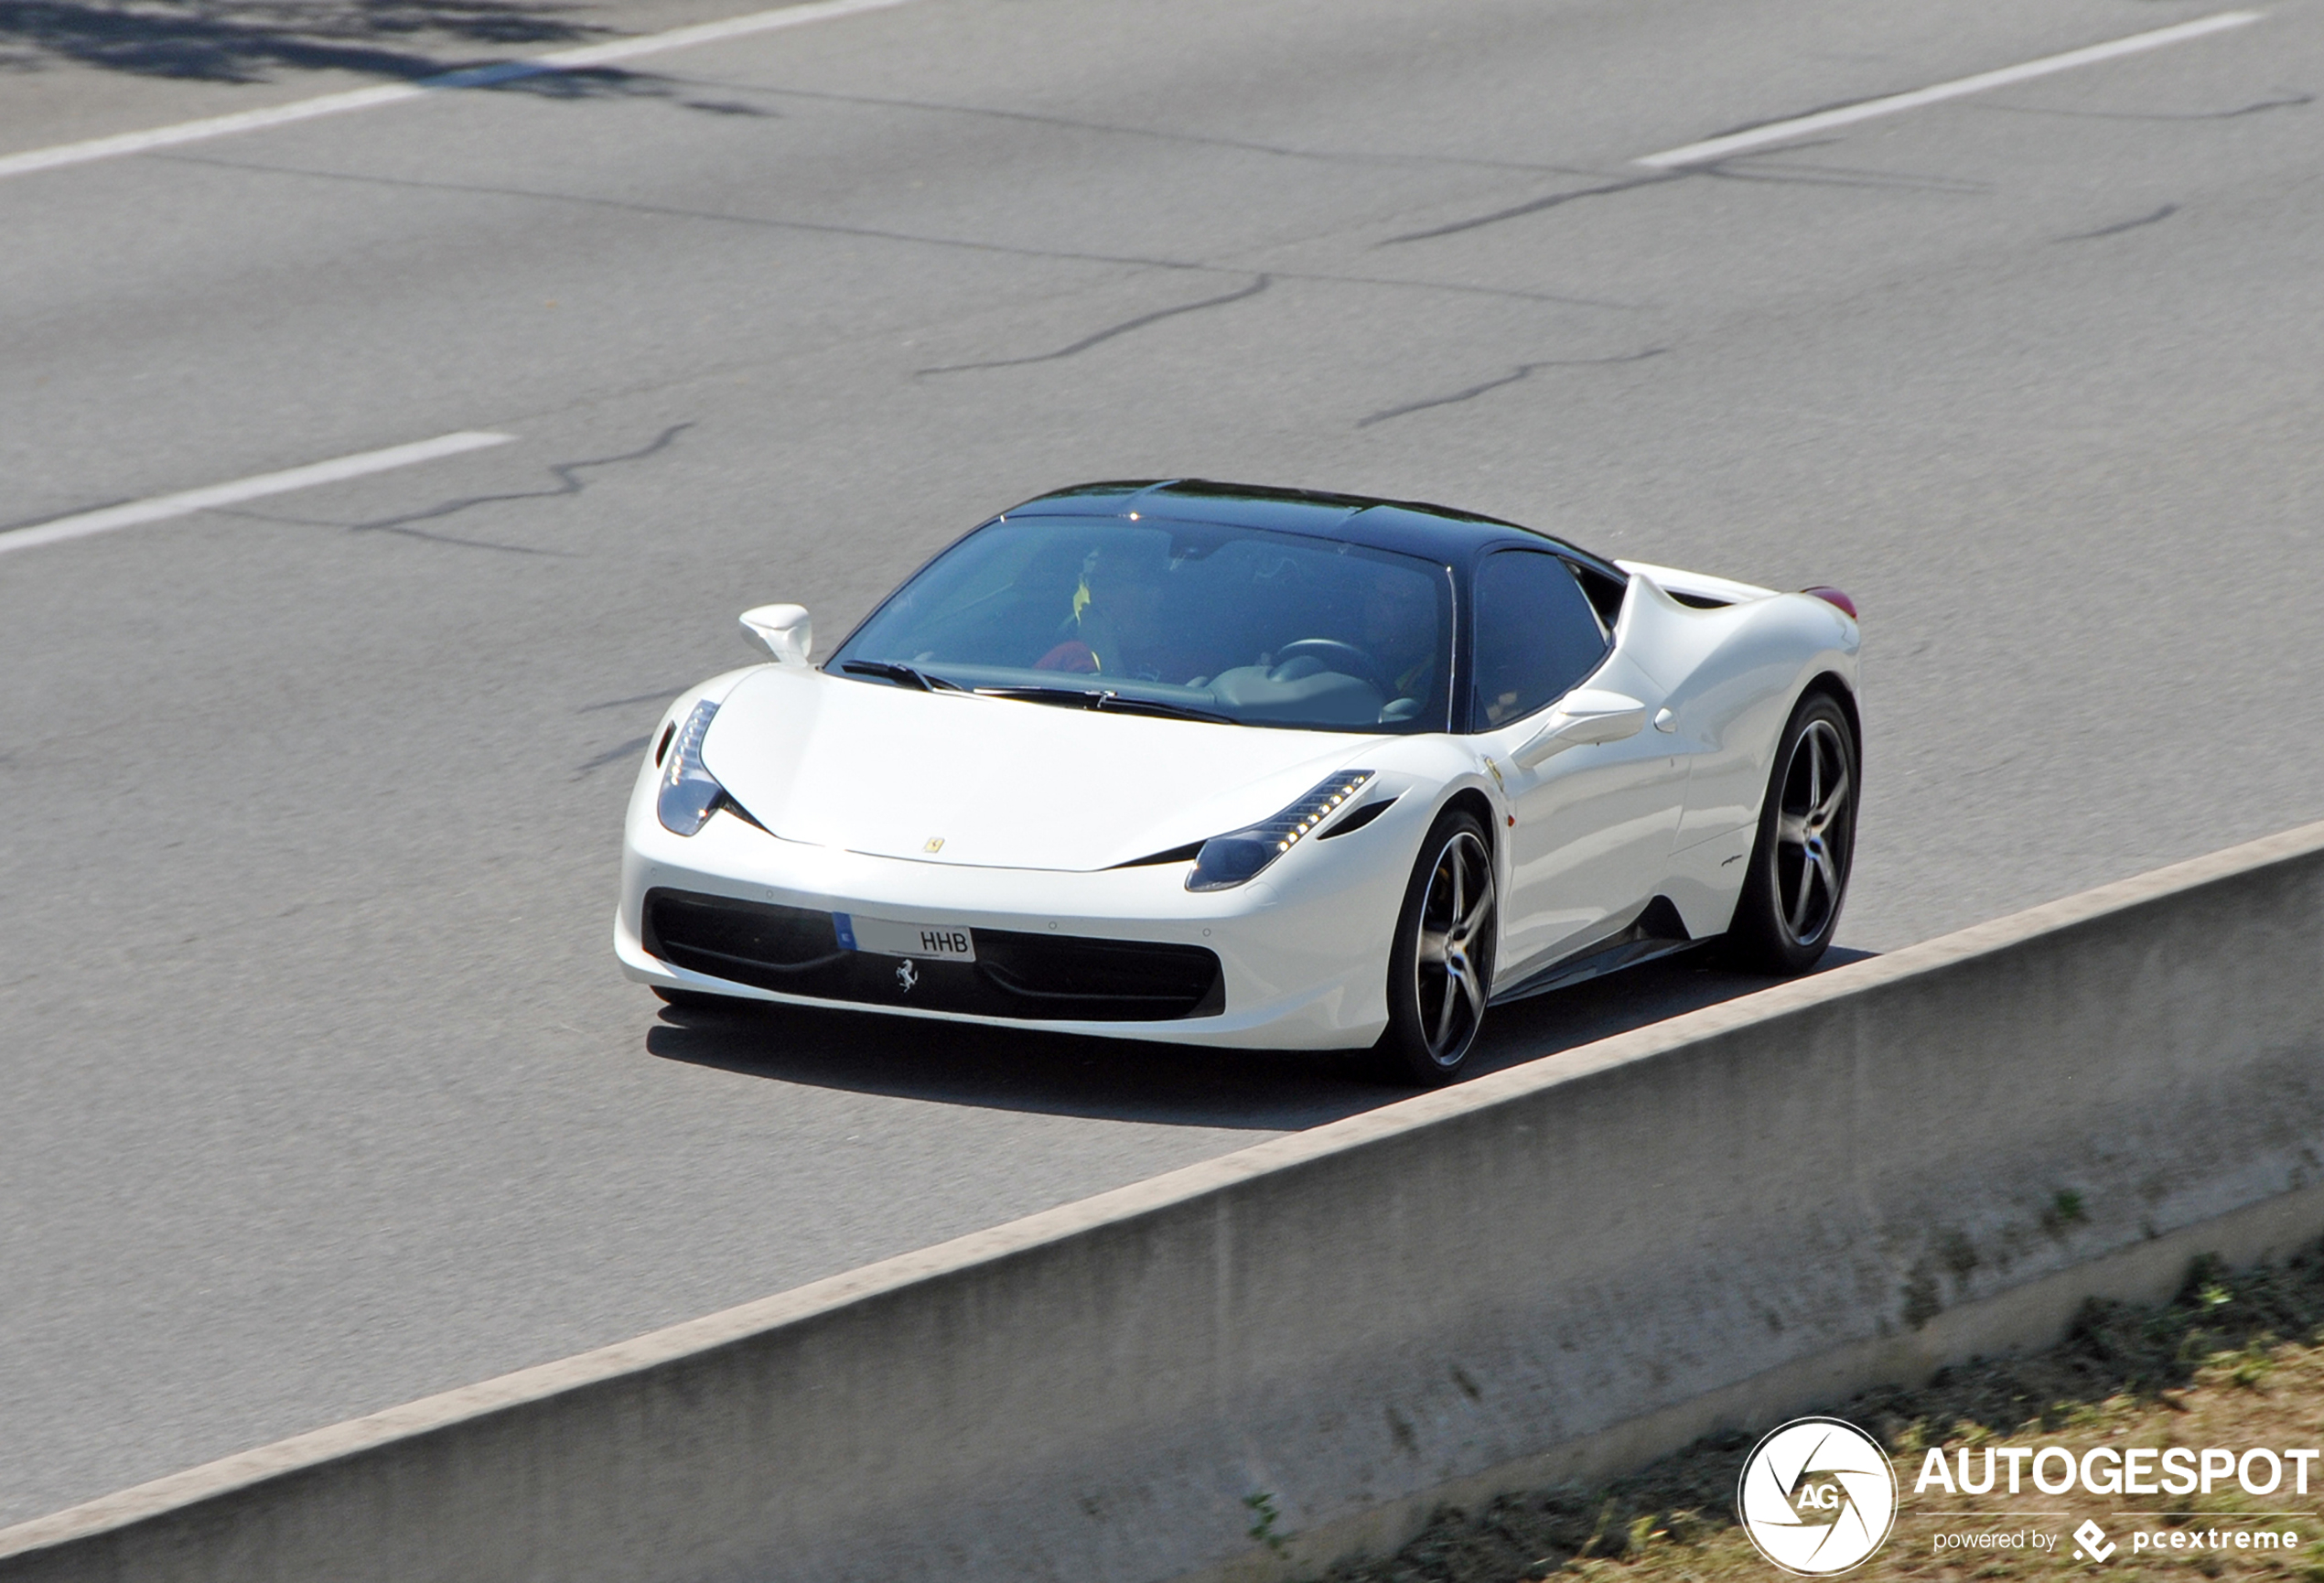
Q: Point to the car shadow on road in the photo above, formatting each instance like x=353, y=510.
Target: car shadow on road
x=1177, y=1086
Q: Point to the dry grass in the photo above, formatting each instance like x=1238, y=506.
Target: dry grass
x=2233, y=1362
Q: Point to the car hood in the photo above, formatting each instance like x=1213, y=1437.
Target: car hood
x=992, y=782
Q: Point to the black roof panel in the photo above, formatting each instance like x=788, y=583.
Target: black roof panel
x=1413, y=527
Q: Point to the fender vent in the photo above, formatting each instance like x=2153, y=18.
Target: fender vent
x=1358, y=820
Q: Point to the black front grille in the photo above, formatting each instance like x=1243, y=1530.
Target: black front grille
x=1065, y=978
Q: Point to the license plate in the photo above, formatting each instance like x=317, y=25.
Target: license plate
x=894, y=937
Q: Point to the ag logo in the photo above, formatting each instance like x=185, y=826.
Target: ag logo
x=1817, y=1496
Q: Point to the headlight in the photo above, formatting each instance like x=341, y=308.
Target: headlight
x=689, y=793
x=1228, y=860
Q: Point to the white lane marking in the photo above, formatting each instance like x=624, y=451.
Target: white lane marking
x=188, y=501
x=356, y=99
x=1847, y=115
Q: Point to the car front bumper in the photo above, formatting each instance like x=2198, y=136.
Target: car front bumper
x=1302, y=950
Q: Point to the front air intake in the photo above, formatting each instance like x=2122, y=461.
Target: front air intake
x=1044, y=978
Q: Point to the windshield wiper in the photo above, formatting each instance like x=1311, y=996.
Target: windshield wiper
x=896, y=671
x=1115, y=703
x=1112, y=702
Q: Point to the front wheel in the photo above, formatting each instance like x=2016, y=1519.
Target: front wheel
x=1791, y=902
x=1441, y=967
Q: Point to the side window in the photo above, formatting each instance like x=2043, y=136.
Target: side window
x=1535, y=636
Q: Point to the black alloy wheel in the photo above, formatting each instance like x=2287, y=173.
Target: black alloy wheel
x=1798, y=876
x=1440, y=969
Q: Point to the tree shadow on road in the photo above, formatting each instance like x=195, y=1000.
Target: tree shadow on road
x=1256, y=1090
x=258, y=40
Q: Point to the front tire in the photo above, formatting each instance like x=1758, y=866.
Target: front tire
x=1440, y=969
x=1807, y=847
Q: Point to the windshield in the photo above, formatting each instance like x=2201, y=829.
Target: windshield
x=1238, y=624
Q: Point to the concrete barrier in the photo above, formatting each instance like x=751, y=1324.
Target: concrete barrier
x=1552, y=1269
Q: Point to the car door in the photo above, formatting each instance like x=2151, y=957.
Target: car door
x=1594, y=823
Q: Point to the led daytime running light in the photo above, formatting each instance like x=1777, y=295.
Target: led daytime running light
x=690, y=793
x=1226, y=861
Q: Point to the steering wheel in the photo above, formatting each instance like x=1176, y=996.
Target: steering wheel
x=1335, y=655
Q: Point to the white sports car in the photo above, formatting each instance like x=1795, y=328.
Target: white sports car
x=1253, y=767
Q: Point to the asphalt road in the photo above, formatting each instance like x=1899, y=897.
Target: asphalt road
x=321, y=1091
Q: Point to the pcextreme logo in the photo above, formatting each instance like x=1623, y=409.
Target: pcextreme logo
x=1817, y=1496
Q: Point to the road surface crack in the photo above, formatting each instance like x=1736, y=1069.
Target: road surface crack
x=2165, y=212
x=2286, y=99
x=1522, y=371
x=1539, y=205
x=569, y=483
x=629, y=749
x=1158, y=135
x=1253, y=289
x=668, y=211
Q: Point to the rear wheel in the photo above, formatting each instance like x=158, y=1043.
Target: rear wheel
x=1441, y=967
x=1799, y=878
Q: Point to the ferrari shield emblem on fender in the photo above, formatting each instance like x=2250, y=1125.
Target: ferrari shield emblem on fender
x=935, y=844
x=906, y=976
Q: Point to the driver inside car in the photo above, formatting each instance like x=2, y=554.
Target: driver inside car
x=1116, y=625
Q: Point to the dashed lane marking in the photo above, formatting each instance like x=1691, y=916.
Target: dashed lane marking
x=1753, y=137
x=160, y=508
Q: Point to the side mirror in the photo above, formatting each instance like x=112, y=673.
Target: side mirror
x=1586, y=715
x=783, y=631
